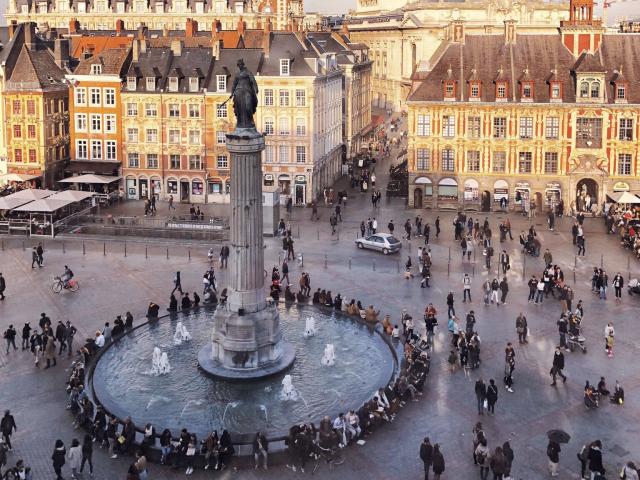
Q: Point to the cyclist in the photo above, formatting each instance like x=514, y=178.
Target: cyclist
x=66, y=276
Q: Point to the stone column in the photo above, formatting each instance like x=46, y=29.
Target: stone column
x=246, y=282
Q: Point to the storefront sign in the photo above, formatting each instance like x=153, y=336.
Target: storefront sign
x=621, y=187
x=301, y=179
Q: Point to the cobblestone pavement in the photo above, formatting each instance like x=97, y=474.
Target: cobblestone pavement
x=112, y=284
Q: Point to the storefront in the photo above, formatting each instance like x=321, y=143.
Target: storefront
x=522, y=194
x=300, y=190
x=447, y=190
x=471, y=191
x=131, y=184
x=284, y=183
x=214, y=186
x=500, y=191
x=552, y=194
x=422, y=192
x=197, y=190
x=268, y=180
x=172, y=187
x=143, y=188
x=156, y=187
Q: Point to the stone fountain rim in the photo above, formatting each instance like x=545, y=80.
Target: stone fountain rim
x=237, y=438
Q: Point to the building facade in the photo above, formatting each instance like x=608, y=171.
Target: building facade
x=495, y=119
x=156, y=15
x=35, y=105
x=407, y=38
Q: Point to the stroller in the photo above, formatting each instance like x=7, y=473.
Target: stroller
x=634, y=286
x=575, y=340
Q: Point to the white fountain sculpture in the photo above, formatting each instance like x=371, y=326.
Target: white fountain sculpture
x=181, y=335
x=310, y=327
x=288, y=390
x=329, y=356
x=159, y=362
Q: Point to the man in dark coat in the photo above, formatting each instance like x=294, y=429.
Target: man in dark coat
x=61, y=336
x=558, y=366
x=481, y=395
x=595, y=459
x=3, y=286
x=426, y=455
x=8, y=426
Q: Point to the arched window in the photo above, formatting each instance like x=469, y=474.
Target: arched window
x=584, y=90
x=595, y=89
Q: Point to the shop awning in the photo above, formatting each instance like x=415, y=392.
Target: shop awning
x=31, y=194
x=46, y=205
x=7, y=203
x=73, y=195
x=624, y=197
x=17, y=177
x=91, y=178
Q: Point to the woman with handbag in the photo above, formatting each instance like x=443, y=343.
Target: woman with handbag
x=190, y=454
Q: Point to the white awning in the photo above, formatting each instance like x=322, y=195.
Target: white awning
x=471, y=183
x=624, y=197
x=91, y=178
x=500, y=184
x=448, y=181
x=31, y=194
x=46, y=205
x=423, y=181
x=17, y=177
x=7, y=203
x=73, y=195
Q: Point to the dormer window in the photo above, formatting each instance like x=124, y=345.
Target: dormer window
x=151, y=84
x=595, y=89
x=555, y=91
x=590, y=89
x=474, y=90
x=284, y=67
x=131, y=83
x=501, y=91
x=527, y=91
x=221, y=83
x=450, y=90
x=194, y=84
x=173, y=84
x=621, y=91
x=96, y=69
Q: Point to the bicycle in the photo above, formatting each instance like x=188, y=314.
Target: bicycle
x=58, y=285
x=330, y=455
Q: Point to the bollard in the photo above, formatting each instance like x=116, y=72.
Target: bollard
x=125, y=249
x=63, y=248
x=318, y=234
x=104, y=248
x=146, y=255
x=167, y=253
x=349, y=263
x=628, y=266
x=2, y=244
x=449, y=254
x=448, y=268
x=374, y=265
x=325, y=260
x=23, y=245
x=473, y=270
x=84, y=250
x=189, y=254
x=601, y=260
x=397, y=267
x=338, y=233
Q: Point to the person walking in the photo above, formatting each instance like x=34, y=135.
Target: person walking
x=562, y=331
x=75, y=457
x=26, y=334
x=260, y=449
x=224, y=256
x=177, y=284
x=594, y=457
x=3, y=286
x=540, y=291
x=495, y=286
x=581, y=245
x=481, y=394
x=314, y=211
x=505, y=262
x=504, y=290
x=508, y=456
x=333, y=221
x=50, y=351
x=10, y=336
x=521, y=328
x=492, y=396
x=609, y=332
x=285, y=272
x=482, y=458
x=40, y=252
x=58, y=458
x=553, y=453
x=426, y=455
x=70, y=332
x=171, y=205
x=34, y=258
x=451, y=312
x=437, y=224
x=466, y=287
x=87, y=453
x=498, y=464
x=438, y=462
x=558, y=366
x=7, y=427
x=618, y=283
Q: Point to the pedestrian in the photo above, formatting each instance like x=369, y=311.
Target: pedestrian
x=26, y=333
x=505, y=262
x=40, y=252
x=10, y=336
x=3, y=286
x=58, y=458
x=50, y=351
x=521, y=328
x=482, y=458
x=553, y=453
x=61, y=335
x=363, y=228
x=548, y=258
x=75, y=457
x=492, y=396
x=581, y=245
x=390, y=226
x=438, y=462
x=7, y=427
x=618, y=283
x=629, y=471
x=171, y=205
x=426, y=455
x=224, y=256
x=437, y=223
x=333, y=221
x=486, y=288
x=508, y=455
x=87, y=453
x=374, y=225
x=141, y=465
x=498, y=464
x=495, y=286
x=583, y=457
x=451, y=312
x=426, y=232
x=504, y=290
x=558, y=366
x=540, y=291
x=177, y=284
x=488, y=254
x=34, y=258
x=609, y=331
x=314, y=211
x=70, y=332
x=481, y=394
x=466, y=286
x=260, y=450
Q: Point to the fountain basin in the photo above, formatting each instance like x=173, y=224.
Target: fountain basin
x=365, y=361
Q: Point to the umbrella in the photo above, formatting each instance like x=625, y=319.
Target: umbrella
x=559, y=436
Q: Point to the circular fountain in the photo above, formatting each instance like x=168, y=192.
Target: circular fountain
x=123, y=384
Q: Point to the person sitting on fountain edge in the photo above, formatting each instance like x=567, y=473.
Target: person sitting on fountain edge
x=152, y=311
x=186, y=301
x=173, y=304
x=196, y=300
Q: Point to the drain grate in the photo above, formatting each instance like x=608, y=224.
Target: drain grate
x=619, y=451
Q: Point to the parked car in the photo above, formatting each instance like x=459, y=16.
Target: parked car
x=383, y=242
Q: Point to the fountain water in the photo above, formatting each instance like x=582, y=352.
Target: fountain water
x=159, y=362
x=181, y=335
x=230, y=404
x=310, y=327
x=329, y=356
x=263, y=408
x=288, y=390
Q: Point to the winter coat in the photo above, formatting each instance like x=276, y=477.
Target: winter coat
x=438, y=463
x=426, y=453
x=595, y=459
x=75, y=457
x=58, y=456
x=498, y=464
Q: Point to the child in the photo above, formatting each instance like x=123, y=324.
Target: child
x=610, y=345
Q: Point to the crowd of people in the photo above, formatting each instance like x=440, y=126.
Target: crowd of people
x=626, y=223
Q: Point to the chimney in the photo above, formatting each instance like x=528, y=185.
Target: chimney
x=74, y=25
x=165, y=31
x=345, y=28
x=141, y=31
x=143, y=46
x=216, y=26
x=119, y=26
x=136, y=51
x=266, y=37
x=457, y=33
x=192, y=27
x=29, y=35
x=241, y=26
x=510, y=32
x=217, y=45
x=61, y=52
x=176, y=47
x=12, y=28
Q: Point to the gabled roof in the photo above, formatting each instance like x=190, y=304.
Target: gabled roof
x=588, y=63
x=35, y=69
x=114, y=61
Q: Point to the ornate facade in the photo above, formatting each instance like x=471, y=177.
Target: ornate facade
x=407, y=38
x=497, y=119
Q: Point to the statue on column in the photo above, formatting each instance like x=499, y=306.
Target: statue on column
x=245, y=97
